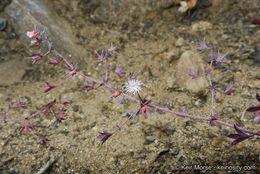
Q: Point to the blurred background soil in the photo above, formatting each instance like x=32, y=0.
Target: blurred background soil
x=150, y=37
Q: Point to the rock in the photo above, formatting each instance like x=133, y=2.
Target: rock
x=255, y=74
x=257, y=119
x=256, y=54
x=172, y=55
x=190, y=60
x=180, y=42
x=26, y=14
x=225, y=36
x=14, y=69
x=183, y=7
x=150, y=139
x=171, y=82
x=93, y=124
x=3, y=24
x=75, y=108
x=201, y=26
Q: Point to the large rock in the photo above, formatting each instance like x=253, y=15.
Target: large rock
x=26, y=14
x=190, y=60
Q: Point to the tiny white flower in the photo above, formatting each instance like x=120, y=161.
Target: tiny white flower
x=133, y=85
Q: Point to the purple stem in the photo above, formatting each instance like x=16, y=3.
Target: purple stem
x=180, y=114
x=122, y=124
x=106, y=66
x=58, y=54
x=212, y=90
x=140, y=98
x=23, y=119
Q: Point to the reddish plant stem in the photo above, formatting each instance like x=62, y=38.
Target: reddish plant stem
x=212, y=90
x=23, y=119
x=180, y=114
x=107, y=73
x=122, y=124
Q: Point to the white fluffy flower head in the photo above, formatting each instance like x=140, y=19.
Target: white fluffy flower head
x=133, y=85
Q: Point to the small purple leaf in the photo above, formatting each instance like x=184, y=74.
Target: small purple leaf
x=103, y=136
x=239, y=137
x=253, y=108
x=144, y=108
x=53, y=62
x=35, y=57
x=119, y=71
x=229, y=90
x=59, y=119
x=121, y=98
x=102, y=57
x=44, y=139
x=90, y=85
x=112, y=50
x=49, y=106
x=202, y=45
x=220, y=59
x=20, y=105
x=185, y=111
x=193, y=74
x=208, y=70
x=49, y=87
x=65, y=103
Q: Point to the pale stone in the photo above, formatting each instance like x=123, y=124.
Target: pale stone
x=201, y=26
x=183, y=7
x=190, y=60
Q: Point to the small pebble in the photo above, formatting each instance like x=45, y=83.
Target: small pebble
x=127, y=114
x=227, y=110
x=257, y=119
x=255, y=74
x=224, y=36
x=256, y=54
x=3, y=24
x=75, y=108
x=201, y=26
x=122, y=163
x=93, y=124
x=150, y=138
x=197, y=103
